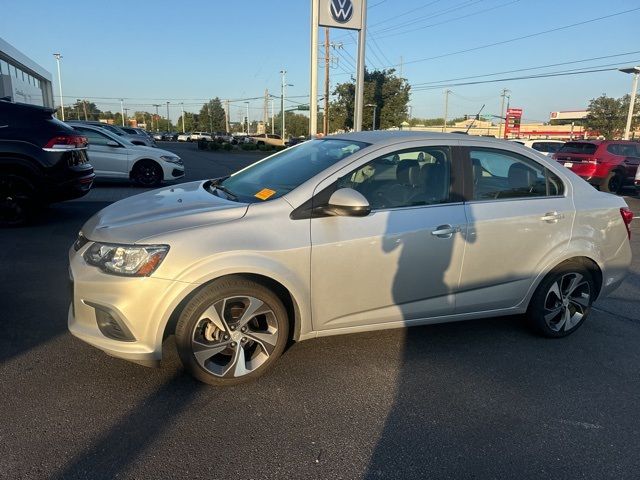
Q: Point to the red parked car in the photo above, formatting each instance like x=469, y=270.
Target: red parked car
x=607, y=164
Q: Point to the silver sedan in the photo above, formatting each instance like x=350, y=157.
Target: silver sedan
x=345, y=234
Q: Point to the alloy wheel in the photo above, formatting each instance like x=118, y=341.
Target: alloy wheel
x=235, y=336
x=567, y=302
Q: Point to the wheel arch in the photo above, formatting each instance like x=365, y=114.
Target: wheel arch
x=285, y=295
x=589, y=264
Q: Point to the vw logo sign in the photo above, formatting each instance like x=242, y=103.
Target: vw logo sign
x=341, y=10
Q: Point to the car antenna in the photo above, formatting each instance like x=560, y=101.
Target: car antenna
x=474, y=120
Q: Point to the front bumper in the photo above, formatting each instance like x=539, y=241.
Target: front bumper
x=142, y=305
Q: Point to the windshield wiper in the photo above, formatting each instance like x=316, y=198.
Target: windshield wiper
x=218, y=186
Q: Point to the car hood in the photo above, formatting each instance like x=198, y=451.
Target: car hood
x=161, y=211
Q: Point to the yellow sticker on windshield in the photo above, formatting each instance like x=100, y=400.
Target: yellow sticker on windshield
x=265, y=194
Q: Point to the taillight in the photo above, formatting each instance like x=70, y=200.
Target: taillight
x=627, y=218
x=66, y=142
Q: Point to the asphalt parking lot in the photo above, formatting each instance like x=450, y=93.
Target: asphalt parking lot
x=480, y=399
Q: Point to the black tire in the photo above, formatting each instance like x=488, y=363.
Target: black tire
x=545, y=301
x=613, y=183
x=147, y=173
x=190, y=326
x=17, y=200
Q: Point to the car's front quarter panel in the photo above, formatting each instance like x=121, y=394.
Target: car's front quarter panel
x=264, y=242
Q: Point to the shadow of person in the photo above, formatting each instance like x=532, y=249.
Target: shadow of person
x=429, y=243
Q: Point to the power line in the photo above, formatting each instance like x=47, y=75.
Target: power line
x=531, y=35
x=466, y=4
x=526, y=77
x=394, y=34
x=525, y=69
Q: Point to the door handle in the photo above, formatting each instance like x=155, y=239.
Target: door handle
x=552, y=217
x=445, y=231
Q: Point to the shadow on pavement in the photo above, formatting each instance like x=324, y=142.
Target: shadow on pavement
x=34, y=270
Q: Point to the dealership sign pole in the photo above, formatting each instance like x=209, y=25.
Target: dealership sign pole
x=349, y=15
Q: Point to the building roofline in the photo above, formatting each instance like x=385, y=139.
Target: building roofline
x=25, y=62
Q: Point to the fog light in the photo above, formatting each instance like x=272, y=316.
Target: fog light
x=110, y=325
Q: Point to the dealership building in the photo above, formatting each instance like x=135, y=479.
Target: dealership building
x=22, y=79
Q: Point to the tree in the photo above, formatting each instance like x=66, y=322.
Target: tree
x=190, y=122
x=212, y=117
x=608, y=116
x=81, y=110
x=382, y=88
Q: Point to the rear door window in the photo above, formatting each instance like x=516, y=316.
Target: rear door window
x=498, y=174
x=583, y=148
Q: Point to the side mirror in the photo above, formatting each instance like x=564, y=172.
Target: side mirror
x=347, y=202
x=112, y=143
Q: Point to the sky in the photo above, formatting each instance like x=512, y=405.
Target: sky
x=157, y=51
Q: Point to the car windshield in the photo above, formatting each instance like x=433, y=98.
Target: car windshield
x=279, y=174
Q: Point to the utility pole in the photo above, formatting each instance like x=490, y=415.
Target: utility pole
x=182, y=108
x=401, y=65
x=84, y=107
x=122, y=110
x=265, y=110
x=157, y=116
x=504, y=95
x=248, y=124
x=168, y=121
x=325, y=124
x=226, y=116
x=126, y=113
x=273, y=120
x=58, y=57
x=446, y=109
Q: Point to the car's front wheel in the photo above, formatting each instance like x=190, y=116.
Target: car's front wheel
x=232, y=331
x=562, y=301
x=147, y=173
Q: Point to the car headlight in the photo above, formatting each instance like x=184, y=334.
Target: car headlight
x=127, y=260
x=171, y=159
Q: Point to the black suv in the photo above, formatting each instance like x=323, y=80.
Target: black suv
x=42, y=161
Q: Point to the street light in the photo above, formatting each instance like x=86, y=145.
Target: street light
x=122, y=110
x=168, y=122
x=375, y=107
x=632, y=101
x=58, y=56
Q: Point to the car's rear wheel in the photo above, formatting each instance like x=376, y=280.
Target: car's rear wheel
x=562, y=301
x=612, y=183
x=231, y=332
x=147, y=173
x=17, y=202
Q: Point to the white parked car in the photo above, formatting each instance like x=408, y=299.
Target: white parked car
x=114, y=157
x=195, y=136
x=345, y=234
x=184, y=137
x=545, y=147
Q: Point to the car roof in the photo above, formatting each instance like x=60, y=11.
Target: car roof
x=394, y=136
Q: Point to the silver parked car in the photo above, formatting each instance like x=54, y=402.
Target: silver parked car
x=345, y=234
x=134, y=138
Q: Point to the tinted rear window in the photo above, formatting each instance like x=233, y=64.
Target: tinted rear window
x=578, y=147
